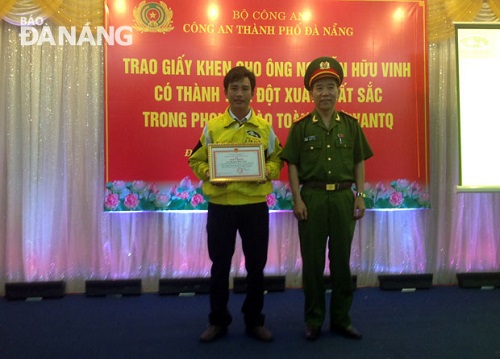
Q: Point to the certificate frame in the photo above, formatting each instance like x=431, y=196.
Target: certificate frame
x=231, y=162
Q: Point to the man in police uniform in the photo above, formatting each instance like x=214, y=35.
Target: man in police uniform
x=325, y=152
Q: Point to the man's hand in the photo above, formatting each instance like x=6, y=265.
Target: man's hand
x=359, y=208
x=300, y=210
x=267, y=178
x=219, y=184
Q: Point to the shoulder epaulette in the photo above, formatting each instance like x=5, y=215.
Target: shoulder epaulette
x=301, y=117
x=349, y=115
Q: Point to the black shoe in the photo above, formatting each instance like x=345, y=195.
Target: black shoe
x=312, y=332
x=260, y=332
x=348, y=332
x=213, y=332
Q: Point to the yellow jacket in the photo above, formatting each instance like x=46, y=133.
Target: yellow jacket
x=224, y=129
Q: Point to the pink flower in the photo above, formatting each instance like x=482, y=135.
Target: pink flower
x=424, y=198
x=118, y=186
x=396, y=199
x=197, y=199
x=380, y=187
x=112, y=201
x=415, y=186
x=131, y=201
x=271, y=200
x=153, y=188
x=402, y=183
x=138, y=186
x=184, y=195
x=161, y=200
x=186, y=183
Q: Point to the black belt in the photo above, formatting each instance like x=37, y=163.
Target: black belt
x=328, y=186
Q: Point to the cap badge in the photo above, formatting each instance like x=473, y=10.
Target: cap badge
x=325, y=65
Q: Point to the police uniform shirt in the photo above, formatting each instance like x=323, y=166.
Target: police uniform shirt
x=326, y=155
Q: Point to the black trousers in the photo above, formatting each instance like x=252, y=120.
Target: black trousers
x=223, y=223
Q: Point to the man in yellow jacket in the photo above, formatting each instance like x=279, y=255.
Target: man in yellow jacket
x=237, y=206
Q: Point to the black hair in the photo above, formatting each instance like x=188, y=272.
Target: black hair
x=239, y=73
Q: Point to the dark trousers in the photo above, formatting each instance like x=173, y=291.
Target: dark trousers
x=330, y=225
x=223, y=223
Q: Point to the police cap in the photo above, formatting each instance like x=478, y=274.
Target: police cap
x=323, y=67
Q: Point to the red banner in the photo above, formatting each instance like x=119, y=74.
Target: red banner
x=164, y=82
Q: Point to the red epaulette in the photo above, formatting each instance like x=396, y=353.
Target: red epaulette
x=301, y=117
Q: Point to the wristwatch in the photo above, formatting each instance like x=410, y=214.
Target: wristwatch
x=360, y=194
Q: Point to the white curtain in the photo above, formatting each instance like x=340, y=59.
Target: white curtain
x=52, y=224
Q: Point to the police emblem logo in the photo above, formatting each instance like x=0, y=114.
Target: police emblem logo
x=325, y=65
x=153, y=17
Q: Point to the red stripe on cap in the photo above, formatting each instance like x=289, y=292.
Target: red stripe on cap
x=320, y=73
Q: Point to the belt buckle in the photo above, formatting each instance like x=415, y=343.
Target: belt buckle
x=331, y=186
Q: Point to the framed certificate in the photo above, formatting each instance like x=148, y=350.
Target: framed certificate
x=236, y=162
